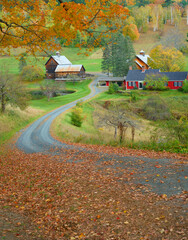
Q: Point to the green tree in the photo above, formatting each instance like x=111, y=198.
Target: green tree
x=123, y=55
x=156, y=82
x=141, y=3
x=168, y=3
x=12, y=91
x=22, y=62
x=107, y=60
x=185, y=86
x=166, y=59
x=113, y=88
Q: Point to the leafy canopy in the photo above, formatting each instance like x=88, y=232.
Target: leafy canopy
x=166, y=59
x=36, y=25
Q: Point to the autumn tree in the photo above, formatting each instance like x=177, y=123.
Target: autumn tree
x=166, y=59
x=34, y=25
x=11, y=91
x=141, y=16
x=32, y=73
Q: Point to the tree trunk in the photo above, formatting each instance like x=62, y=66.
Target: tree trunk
x=171, y=16
x=2, y=102
x=115, y=133
x=133, y=133
x=120, y=132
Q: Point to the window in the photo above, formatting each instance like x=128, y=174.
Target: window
x=130, y=84
x=179, y=84
x=175, y=84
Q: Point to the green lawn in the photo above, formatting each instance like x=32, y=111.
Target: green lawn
x=14, y=120
x=75, y=55
x=81, y=89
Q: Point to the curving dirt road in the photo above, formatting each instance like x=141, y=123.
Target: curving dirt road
x=162, y=176
x=37, y=138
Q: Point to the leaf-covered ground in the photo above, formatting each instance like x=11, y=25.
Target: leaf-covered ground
x=73, y=195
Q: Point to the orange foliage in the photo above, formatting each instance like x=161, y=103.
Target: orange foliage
x=36, y=24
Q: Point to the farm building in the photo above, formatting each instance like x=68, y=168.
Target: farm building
x=58, y=67
x=142, y=60
x=136, y=78
x=106, y=80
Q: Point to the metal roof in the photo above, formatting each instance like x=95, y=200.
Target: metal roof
x=68, y=68
x=111, y=79
x=61, y=60
x=143, y=58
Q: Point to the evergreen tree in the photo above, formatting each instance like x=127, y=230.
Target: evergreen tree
x=107, y=60
x=118, y=56
x=123, y=55
x=167, y=3
x=141, y=3
x=22, y=63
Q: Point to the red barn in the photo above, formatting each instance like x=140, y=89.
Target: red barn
x=135, y=78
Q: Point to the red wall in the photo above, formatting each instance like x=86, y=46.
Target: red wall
x=131, y=87
x=171, y=84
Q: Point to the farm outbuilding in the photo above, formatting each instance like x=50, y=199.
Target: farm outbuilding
x=142, y=60
x=59, y=67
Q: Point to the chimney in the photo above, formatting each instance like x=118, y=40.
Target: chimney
x=130, y=68
x=143, y=69
x=58, y=54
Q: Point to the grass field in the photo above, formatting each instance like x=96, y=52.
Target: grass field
x=93, y=132
x=14, y=119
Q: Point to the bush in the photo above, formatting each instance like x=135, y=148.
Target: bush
x=36, y=94
x=76, y=117
x=185, y=86
x=156, y=109
x=32, y=73
x=113, y=88
x=156, y=82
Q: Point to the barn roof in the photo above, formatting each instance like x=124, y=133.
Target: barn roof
x=61, y=60
x=143, y=58
x=68, y=68
x=138, y=75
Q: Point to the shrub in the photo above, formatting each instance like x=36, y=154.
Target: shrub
x=185, y=86
x=156, y=109
x=76, y=117
x=32, y=73
x=113, y=88
x=156, y=82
